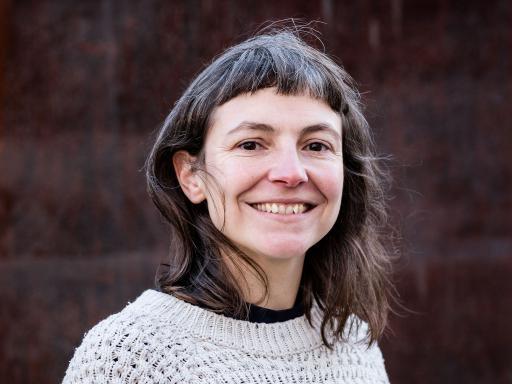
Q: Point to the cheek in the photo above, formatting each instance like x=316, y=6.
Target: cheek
x=227, y=181
x=237, y=175
x=329, y=179
x=233, y=169
x=332, y=189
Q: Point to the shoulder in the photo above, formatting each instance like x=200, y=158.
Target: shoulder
x=134, y=345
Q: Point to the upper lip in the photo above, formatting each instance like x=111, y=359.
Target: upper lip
x=284, y=201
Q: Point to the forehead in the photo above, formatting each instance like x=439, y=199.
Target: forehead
x=267, y=107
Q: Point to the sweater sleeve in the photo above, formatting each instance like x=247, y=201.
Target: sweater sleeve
x=121, y=350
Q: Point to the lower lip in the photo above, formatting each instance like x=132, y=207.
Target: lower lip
x=282, y=217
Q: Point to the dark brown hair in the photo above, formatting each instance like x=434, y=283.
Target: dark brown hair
x=348, y=271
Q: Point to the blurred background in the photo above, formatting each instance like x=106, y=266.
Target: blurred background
x=84, y=85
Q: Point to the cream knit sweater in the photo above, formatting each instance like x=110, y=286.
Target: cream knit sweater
x=161, y=339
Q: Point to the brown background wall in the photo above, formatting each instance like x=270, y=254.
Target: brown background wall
x=83, y=85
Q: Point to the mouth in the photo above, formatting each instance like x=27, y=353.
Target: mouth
x=283, y=209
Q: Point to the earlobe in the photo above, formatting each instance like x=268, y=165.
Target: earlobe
x=189, y=180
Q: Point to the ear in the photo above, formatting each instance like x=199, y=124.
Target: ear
x=190, y=182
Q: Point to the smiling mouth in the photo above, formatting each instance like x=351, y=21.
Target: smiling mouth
x=282, y=209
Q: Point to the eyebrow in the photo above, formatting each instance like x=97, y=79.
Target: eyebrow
x=253, y=126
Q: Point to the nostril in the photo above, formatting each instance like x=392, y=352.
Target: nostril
x=290, y=178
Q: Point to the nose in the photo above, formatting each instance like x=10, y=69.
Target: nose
x=288, y=169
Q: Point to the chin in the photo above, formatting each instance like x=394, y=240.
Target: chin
x=283, y=252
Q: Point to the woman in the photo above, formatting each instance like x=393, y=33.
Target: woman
x=265, y=170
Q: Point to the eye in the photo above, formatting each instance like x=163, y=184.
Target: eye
x=249, y=145
x=317, y=147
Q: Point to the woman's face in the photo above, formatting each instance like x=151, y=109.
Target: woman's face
x=278, y=162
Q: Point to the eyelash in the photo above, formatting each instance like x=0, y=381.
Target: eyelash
x=256, y=144
x=241, y=145
x=325, y=146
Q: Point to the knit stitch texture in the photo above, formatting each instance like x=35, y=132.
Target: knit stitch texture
x=161, y=339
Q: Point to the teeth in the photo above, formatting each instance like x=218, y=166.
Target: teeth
x=281, y=209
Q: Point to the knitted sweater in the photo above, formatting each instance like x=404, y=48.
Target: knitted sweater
x=161, y=339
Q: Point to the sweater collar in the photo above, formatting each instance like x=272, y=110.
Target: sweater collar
x=280, y=338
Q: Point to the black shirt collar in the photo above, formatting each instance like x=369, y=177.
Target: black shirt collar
x=264, y=315
x=259, y=314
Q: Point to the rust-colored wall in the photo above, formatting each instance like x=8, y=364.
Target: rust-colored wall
x=83, y=85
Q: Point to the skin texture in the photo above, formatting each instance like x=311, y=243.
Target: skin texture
x=264, y=148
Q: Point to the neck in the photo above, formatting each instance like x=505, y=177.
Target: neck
x=283, y=281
